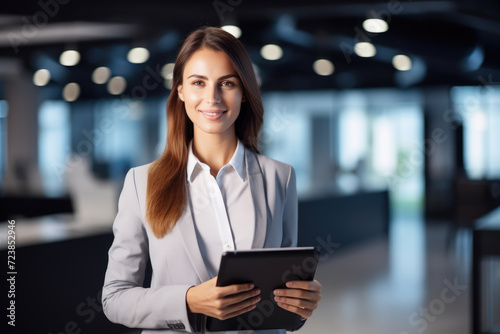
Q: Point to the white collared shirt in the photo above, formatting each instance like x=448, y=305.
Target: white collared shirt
x=220, y=207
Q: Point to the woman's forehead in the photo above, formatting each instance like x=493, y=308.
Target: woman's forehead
x=209, y=63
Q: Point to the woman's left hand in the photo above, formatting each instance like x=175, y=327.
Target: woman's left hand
x=300, y=297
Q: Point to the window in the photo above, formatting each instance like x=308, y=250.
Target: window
x=53, y=145
x=478, y=109
x=371, y=141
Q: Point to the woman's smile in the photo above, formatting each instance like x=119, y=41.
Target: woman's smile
x=211, y=114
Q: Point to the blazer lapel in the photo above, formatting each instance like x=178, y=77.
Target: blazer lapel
x=259, y=196
x=188, y=235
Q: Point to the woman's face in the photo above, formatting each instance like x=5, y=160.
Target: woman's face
x=212, y=92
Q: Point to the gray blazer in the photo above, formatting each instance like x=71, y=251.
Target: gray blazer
x=176, y=259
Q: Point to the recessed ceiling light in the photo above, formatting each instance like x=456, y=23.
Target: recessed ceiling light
x=117, y=85
x=402, y=62
x=375, y=25
x=167, y=71
x=365, y=49
x=101, y=75
x=138, y=55
x=271, y=52
x=71, y=92
x=233, y=30
x=69, y=58
x=168, y=84
x=323, y=67
x=41, y=77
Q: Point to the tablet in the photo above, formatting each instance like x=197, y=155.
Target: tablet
x=268, y=269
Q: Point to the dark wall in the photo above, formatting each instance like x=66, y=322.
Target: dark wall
x=58, y=287
x=343, y=220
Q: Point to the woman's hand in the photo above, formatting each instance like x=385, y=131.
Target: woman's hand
x=300, y=297
x=222, y=302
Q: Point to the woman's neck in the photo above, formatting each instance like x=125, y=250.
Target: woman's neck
x=214, y=150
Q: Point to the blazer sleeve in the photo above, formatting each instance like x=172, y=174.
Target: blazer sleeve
x=125, y=300
x=290, y=211
x=290, y=219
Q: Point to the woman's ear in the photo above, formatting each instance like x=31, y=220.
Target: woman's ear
x=180, y=93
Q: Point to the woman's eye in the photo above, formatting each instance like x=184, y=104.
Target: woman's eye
x=198, y=83
x=227, y=84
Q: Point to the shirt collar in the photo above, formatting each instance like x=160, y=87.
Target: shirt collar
x=238, y=160
x=194, y=165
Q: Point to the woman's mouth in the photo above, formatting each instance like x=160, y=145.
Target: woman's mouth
x=213, y=112
x=212, y=115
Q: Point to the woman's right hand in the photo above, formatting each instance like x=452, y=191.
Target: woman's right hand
x=222, y=302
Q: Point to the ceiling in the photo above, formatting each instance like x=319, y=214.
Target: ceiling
x=449, y=42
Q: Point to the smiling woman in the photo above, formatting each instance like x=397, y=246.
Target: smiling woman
x=166, y=188
x=210, y=191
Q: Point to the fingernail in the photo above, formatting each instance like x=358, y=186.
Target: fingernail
x=289, y=284
x=252, y=285
x=277, y=292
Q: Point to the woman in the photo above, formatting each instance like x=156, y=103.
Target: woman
x=209, y=192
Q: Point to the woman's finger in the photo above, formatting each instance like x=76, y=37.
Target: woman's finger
x=240, y=297
x=303, y=312
x=233, y=289
x=239, y=312
x=305, y=285
x=299, y=294
x=299, y=303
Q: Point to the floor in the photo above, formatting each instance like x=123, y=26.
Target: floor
x=414, y=281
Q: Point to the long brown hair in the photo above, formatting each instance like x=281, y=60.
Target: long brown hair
x=166, y=189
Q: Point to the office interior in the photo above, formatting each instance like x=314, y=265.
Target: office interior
x=389, y=111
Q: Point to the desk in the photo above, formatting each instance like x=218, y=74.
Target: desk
x=52, y=228
x=486, y=244
x=60, y=264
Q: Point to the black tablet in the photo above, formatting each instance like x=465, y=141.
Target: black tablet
x=268, y=269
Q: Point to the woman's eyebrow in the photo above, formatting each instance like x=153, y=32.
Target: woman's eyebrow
x=227, y=76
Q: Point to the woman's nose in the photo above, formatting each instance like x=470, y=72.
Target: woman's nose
x=214, y=95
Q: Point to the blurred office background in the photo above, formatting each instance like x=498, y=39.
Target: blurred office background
x=388, y=110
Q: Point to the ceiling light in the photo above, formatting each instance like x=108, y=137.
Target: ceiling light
x=117, y=85
x=71, y=92
x=365, y=49
x=138, y=55
x=101, y=75
x=402, y=62
x=41, y=77
x=323, y=67
x=271, y=52
x=167, y=71
x=375, y=25
x=168, y=84
x=233, y=30
x=69, y=58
